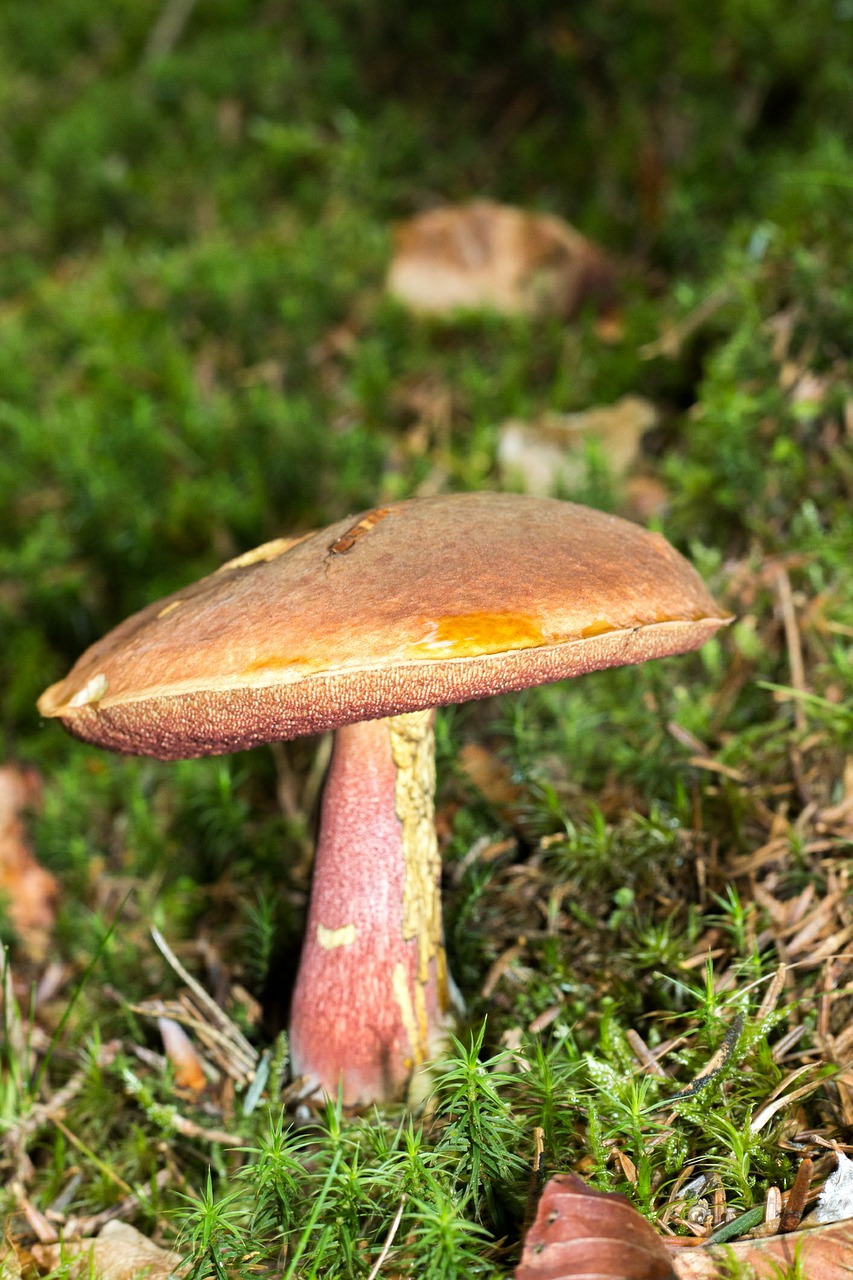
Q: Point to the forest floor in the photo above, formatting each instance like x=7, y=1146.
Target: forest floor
x=646, y=870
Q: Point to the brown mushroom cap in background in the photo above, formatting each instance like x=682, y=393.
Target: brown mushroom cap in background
x=484, y=254
x=422, y=603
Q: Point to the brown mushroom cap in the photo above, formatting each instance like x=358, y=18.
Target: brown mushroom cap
x=419, y=604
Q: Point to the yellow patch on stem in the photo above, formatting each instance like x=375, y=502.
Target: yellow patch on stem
x=400, y=987
x=330, y=938
x=413, y=751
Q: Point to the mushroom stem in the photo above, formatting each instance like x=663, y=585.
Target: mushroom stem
x=372, y=995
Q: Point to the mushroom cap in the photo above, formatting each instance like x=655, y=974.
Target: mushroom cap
x=483, y=254
x=419, y=604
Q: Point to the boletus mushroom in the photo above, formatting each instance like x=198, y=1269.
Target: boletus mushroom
x=484, y=254
x=365, y=627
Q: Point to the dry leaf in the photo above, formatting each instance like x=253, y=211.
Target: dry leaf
x=610, y=325
x=584, y=1234
x=549, y=454
x=645, y=498
x=492, y=255
x=489, y=775
x=826, y=1253
x=186, y=1064
x=120, y=1252
x=30, y=891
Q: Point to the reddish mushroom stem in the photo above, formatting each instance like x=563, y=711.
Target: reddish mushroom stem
x=372, y=996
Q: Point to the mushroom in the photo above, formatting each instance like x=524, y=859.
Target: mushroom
x=484, y=254
x=365, y=627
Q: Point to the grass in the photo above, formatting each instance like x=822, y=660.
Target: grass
x=195, y=356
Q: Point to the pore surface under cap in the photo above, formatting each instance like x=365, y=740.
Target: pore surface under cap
x=414, y=605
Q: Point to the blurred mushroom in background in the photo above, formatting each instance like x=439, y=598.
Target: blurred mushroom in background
x=487, y=255
x=551, y=454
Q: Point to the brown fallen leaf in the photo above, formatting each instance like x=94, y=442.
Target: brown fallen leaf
x=824, y=1253
x=489, y=775
x=30, y=891
x=583, y=1234
x=484, y=254
x=181, y=1052
x=549, y=453
x=120, y=1252
x=645, y=497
